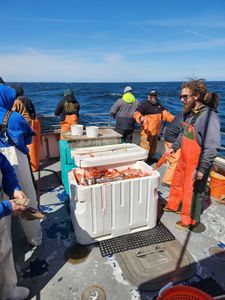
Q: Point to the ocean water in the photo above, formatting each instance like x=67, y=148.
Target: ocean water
x=99, y=97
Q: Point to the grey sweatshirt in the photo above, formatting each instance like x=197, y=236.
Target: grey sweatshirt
x=173, y=129
x=123, y=113
x=207, y=129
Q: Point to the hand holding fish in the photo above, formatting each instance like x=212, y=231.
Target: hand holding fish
x=17, y=207
x=18, y=195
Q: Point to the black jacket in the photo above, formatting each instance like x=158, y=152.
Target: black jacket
x=67, y=106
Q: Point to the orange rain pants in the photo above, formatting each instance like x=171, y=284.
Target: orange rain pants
x=34, y=148
x=172, y=160
x=149, y=143
x=69, y=120
x=185, y=192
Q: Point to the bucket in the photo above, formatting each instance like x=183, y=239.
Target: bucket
x=77, y=129
x=92, y=131
x=182, y=292
x=217, y=185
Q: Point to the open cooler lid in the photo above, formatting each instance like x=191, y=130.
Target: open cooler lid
x=106, y=155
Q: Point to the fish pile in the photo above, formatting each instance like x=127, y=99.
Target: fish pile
x=90, y=176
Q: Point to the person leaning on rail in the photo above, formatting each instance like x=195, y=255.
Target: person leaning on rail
x=199, y=141
x=68, y=110
x=123, y=110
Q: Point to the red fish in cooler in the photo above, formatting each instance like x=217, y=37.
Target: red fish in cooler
x=91, y=176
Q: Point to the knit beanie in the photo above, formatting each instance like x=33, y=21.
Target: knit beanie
x=68, y=92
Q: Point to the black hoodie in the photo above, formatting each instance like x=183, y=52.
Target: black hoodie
x=67, y=106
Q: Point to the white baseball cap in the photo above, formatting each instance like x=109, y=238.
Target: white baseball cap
x=128, y=89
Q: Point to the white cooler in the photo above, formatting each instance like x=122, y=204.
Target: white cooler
x=106, y=210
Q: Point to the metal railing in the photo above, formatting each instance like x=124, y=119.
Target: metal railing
x=90, y=119
x=107, y=123
x=85, y=119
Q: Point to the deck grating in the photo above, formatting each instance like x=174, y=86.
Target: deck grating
x=158, y=234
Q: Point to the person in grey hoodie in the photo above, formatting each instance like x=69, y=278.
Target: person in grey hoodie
x=123, y=110
x=199, y=141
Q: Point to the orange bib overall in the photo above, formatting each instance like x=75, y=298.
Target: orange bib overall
x=34, y=148
x=69, y=120
x=185, y=192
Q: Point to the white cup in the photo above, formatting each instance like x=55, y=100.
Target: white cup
x=92, y=131
x=77, y=129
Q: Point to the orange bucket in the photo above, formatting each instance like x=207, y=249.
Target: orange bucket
x=183, y=292
x=217, y=185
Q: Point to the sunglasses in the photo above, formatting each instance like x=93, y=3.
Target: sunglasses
x=152, y=95
x=185, y=97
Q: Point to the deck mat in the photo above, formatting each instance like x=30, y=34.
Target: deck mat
x=209, y=286
x=158, y=234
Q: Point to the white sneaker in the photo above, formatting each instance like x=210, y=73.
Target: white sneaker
x=18, y=293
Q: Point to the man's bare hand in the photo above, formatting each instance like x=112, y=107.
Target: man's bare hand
x=198, y=175
x=169, y=152
x=17, y=208
x=142, y=119
x=18, y=195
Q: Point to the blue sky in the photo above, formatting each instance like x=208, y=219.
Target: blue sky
x=112, y=41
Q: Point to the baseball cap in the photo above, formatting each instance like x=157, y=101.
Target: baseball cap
x=128, y=89
x=153, y=93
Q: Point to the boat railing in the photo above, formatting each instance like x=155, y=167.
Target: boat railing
x=108, y=123
x=104, y=120
x=94, y=119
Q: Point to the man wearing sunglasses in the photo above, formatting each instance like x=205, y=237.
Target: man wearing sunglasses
x=199, y=141
x=150, y=114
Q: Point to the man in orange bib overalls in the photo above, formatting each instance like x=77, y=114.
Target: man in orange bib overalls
x=198, y=142
x=150, y=114
x=68, y=110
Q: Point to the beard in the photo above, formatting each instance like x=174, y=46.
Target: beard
x=153, y=101
x=189, y=106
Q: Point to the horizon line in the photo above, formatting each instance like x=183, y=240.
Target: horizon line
x=68, y=82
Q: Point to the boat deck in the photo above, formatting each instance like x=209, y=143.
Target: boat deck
x=59, y=270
